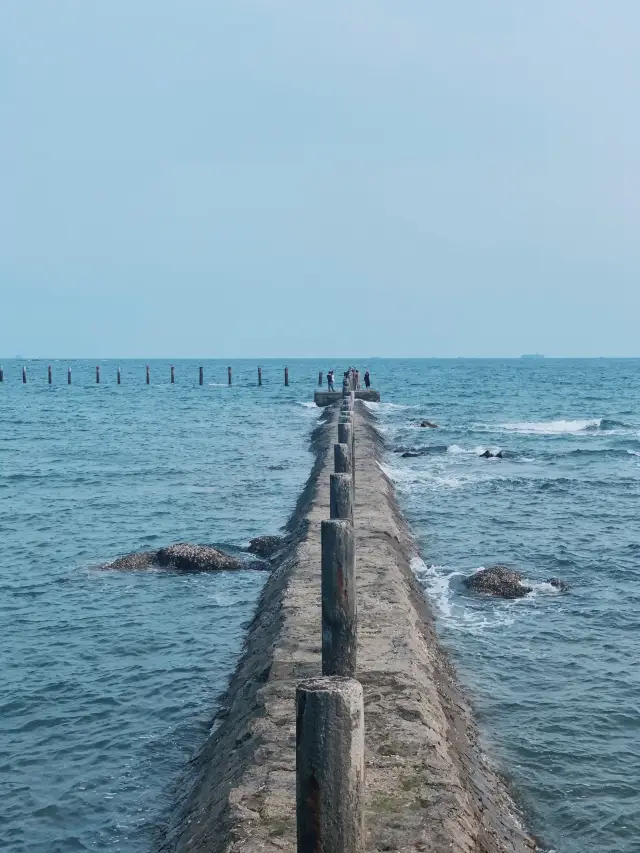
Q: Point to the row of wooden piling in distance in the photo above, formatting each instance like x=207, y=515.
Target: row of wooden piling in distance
x=330, y=708
x=148, y=376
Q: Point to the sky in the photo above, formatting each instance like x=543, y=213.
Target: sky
x=269, y=178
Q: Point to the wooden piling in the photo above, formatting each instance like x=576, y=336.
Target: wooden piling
x=97, y=374
x=24, y=375
x=49, y=376
x=320, y=379
x=330, y=766
x=1, y=373
x=338, y=589
x=259, y=377
x=173, y=375
x=148, y=376
x=118, y=377
x=342, y=458
x=341, y=496
x=201, y=378
x=69, y=376
x=286, y=376
x=229, y=374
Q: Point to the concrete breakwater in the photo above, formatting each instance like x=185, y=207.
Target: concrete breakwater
x=428, y=786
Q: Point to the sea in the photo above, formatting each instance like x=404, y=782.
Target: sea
x=109, y=680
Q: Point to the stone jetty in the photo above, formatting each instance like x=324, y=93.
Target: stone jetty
x=427, y=783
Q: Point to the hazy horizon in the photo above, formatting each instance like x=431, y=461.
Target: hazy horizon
x=262, y=176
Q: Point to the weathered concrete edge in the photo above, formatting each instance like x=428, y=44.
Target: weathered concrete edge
x=504, y=817
x=227, y=746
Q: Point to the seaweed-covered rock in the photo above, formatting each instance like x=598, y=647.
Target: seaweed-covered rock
x=133, y=562
x=265, y=546
x=500, y=581
x=196, y=558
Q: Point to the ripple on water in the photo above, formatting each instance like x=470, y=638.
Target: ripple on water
x=109, y=679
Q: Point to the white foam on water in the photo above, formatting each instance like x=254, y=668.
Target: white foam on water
x=454, y=609
x=456, y=450
x=540, y=588
x=306, y=404
x=409, y=479
x=560, y=427
x=385, y=407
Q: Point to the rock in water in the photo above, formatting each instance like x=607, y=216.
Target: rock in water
x=196, y=558
x=429, y=424
x=265, y=546
x=133, y=562
x=563, y=586
x=500, y=581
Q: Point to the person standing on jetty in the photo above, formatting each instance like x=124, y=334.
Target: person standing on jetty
x=330, y=380
x=367, y=379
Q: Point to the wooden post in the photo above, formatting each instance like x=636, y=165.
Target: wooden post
x=49, y=377
x=320, y=379
x=202, y=375
x=148, y=377
x=97, y=374
x=330, y=766
x=24, y=375
x=342, y=458
x=69, y=376
x=286, y=376
x=338, y=587
x=229, y=374
x=173, y=375
x=118, y=377
x=259, y=377
x=341, y=496
x=1, y=373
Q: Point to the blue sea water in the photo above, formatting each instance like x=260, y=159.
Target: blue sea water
x=108, y=681
x=554, y=677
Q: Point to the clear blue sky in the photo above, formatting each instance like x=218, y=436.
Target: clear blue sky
x=276, y=177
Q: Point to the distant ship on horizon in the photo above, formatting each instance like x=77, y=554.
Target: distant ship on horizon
x=532, y=355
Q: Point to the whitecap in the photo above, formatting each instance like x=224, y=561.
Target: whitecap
x=456, y=450
x=559, y=427
x=385, y=407
x=455, y=611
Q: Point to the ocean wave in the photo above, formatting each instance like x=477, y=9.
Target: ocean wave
x=567, y=427
x=385, y=407
x=559, y=427
x=422, y=450
x=442, y=584
x=445, y=589
x=602, y=452
x=407, y=479
x=456, y=450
